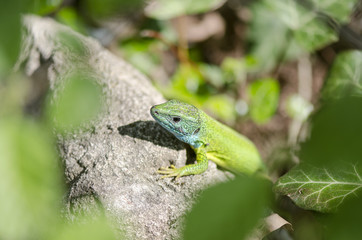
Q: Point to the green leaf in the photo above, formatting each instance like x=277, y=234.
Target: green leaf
x=339, y=10
x=314, y=35
x=236, y=69
x=346, y=223
x=69, y=16
x=345, y=76
x=106, y=8
x=222, y=106
x=167, y=9
x=309, y=31
x=30, y=180
x=85, y=228
x=321, y=189
x=273, y=41
x=228, y=211
x=213, y=74
x=143, y=54
x=10, y=37
x=78, y=103
x=298, y=107
x=43, y=7
x=263, y=97
x=186, y=85
x=290, y=12
x=336, y=134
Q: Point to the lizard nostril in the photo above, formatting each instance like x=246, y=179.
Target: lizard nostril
x=156, y=112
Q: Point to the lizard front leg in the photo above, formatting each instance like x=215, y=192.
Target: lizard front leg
x=199, y=167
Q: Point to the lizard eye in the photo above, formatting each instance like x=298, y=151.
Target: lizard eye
x=176, y=119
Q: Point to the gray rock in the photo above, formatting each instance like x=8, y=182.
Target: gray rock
x=112, y=164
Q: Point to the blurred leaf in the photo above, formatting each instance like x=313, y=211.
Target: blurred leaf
x=336, y=134
x=185, y=85
x=10, y=27
x=309, y=31
x=236, y=208
x=143, y=54
x=321, y=189
x=345, y=76
x=221, y=106
x=167, y=9
x=30, y=182
x=333, y=154
x=339, y=10
x=272, y=40
x=290, y=12
x=94, y=229
x=78, y=103
x=69, y=16
x=235, y=69
x=263, y=97
x=10, y=37
x=314, y=35
x=107, y=8
x=43, y=7
x=298, y=107
x=346, y=223
x=213, y=74
x=188, y=85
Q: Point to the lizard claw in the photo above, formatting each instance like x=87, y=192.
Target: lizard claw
x=170, y=171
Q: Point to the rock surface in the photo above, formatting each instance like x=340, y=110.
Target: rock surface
x=113, y=165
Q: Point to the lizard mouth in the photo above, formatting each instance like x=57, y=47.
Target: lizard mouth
x=163, y=120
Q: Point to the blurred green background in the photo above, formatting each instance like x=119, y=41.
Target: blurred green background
x=286, y=73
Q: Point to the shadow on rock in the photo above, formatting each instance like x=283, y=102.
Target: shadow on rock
x=152, y=132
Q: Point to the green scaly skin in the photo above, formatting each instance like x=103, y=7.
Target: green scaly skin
x=210, y=140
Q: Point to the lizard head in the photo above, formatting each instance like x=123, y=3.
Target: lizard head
x=181, y=119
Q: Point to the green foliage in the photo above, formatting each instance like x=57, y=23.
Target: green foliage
x=236, y=208
x=9, y=42
x=142, y=54
x=264, y=97
x=43, y=7
x=222, y=106
x=333, y=154
x=79, y=102
x=345, y=76
x=236, y=69
x=336, y=134
x=298, y=28
x=31, y=186
x=309, y=31
x=314, y=35
x=185, y=84
x=30, y=179
x=167, y=9
x=10, y=26
x=321, y=189
x=336, y=9
x=270, y=48
x=189, y=84
x=345, y=224
x=84, y=228
x=68, y=16
x=328, y=180
x=106, y=8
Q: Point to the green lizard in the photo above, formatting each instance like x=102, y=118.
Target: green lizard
x=210, y=140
